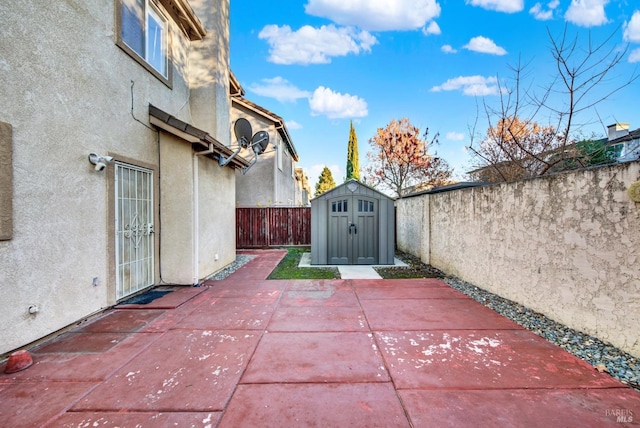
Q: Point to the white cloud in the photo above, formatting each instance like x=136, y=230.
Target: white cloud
x=484, y=45
x=335, y=105
x=292, y=124
x=470, y=85
x=310, y=45
x=587, y=13
x=448, y=49
x=432, y=28
x=508, y=6
x=634, y=56
x=454, y=136
x=278, y=88
x=632, y=28
x=376, y=15
x=542, y=14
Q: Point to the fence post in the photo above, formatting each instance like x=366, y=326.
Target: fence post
x=267, y=229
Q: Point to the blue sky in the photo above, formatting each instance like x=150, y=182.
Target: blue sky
x=321, y=63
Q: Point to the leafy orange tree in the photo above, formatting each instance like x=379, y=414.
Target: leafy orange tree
x=400, y=158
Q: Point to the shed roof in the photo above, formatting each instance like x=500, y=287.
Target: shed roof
x=359, y=186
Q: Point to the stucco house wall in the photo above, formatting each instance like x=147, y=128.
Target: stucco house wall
x=68, y=90
x=565, y=246
x=285, y=178
x=269, y=182
x=257, y=188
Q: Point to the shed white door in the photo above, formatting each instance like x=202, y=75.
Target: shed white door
x=352, y=230
x=134, y=229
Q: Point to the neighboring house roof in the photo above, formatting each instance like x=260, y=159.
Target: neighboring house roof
x=236, y=92
x=427, y=186
x=211, y=146
x=448, y=188
x=632, y=135
x=631, y=142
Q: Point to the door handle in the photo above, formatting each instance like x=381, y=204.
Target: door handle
x=355, y=229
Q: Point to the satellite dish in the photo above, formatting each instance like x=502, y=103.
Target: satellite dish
x=242, y=129
x=259, y=142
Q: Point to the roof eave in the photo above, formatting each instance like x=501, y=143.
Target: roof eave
x=277, y=121
x=186, y=18
x=163, y=120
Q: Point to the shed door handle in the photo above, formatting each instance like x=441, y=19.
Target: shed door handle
x=355, y=229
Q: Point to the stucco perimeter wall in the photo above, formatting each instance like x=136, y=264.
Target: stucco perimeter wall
x=412, y=227
x=566, y=246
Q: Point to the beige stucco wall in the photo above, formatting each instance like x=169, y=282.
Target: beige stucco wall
x=217, y=215
x=412, y=233
x=265, y=184
x=68, y=90
x=209, y=70
x=565, y=246
x=6, y=181
x=256, y=187
x=177, y=199
x=285, y=177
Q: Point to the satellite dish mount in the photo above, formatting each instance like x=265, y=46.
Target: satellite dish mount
x=258, y=142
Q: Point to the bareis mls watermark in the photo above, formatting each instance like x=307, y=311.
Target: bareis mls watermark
x=621, y=415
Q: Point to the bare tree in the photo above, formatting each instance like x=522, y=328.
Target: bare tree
x=516, y=145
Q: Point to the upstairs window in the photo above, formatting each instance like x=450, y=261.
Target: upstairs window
x=144, y=34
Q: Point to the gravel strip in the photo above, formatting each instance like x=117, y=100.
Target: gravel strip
x=241, y=260
x=603, y=356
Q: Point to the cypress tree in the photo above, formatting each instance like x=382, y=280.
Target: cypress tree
x=325, y=182
x=353, y=164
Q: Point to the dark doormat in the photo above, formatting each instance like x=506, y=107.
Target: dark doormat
x=145, y=298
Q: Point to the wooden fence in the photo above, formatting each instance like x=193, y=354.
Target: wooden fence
x=272, y=227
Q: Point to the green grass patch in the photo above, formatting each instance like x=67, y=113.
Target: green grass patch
x=288, y=268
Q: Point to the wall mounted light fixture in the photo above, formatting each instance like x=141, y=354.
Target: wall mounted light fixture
x=100, y=162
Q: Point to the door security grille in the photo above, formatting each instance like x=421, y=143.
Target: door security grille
x=134, y=229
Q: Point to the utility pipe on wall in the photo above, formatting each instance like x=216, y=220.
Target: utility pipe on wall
x=196, y=219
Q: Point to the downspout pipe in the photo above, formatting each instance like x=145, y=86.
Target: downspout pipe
x=206, y=152
x=196, y=219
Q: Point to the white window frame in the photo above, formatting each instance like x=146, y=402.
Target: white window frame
x=152, y=15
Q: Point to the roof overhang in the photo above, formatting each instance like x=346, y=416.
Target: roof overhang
x=199, y=139
x=235, y=89
x=186, y=18
x=278, y=122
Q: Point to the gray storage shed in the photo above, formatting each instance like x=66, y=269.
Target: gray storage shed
x=352, y=224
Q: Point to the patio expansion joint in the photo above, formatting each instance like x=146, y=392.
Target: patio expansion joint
x=516, y=388
x=262, y=333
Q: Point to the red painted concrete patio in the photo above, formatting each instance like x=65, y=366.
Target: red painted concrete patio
x=249, y=352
